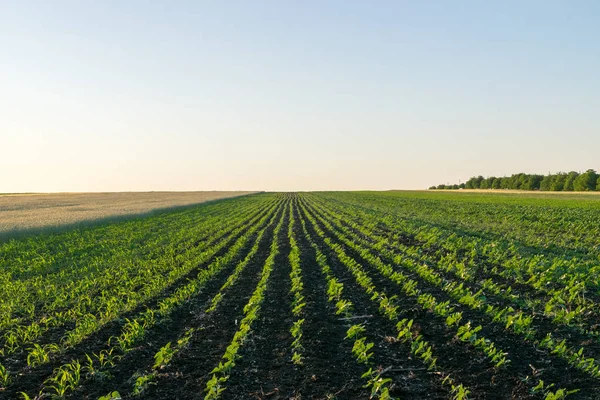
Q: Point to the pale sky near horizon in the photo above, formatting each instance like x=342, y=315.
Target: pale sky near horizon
x=294, y=95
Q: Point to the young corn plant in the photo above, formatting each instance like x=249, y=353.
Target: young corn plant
x=296, y=331
x=91, y=372
x=460, y=392
x=111, y=396
x=163, y=356
x=39, y=355
x=106, y=358
x=379, y=386
x=214, y=387
x=548, y=394
x=65, y=378
x=142, y=383
x=296, y=290
x=5, y=377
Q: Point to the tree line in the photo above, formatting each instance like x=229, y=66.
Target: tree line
x=560, y=182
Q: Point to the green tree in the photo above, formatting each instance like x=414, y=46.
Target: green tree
x=571, y=176
x=586, y=181
x=533, y=182
x=478, y=182
x=512, y=182
x=470, y=183
x=558, y=182
x=517, y=181
x=522, y=182
x=546, y=183
x=474, y=182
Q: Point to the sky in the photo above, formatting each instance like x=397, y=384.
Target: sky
x=294, y=95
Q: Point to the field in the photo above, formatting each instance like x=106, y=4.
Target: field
x=351, y=295
x=36, y=212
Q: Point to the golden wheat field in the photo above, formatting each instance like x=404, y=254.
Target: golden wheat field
x=26, y=212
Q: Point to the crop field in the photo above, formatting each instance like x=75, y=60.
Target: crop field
x=38, y=212
x=325, y=295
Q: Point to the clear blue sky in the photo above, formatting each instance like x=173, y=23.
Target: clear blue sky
x=282, y=95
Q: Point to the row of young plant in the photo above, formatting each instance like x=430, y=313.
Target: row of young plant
x=234, y=276
x=63, y=379
x=71, y=377
x=124, y=279
x=452, y=318
x=389, y=308
x=38, y=276
x=565, y=278
x=167, y=352
x=561, y=225
x=464, y=332
x=110, y=307
x=135, y=331
x=220, y=374
x=552, y=308
x=378, y=385
x=564, y=306
x=115, y=281
x=297, y=290
x=31, y=299
x=518, y=321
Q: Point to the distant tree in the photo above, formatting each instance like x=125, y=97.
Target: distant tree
x=490, y=182
x=558, y=182
x=586, y=181
x=571, y=176
x=524, y=182
x=478, y=181
x=474, y=182
x=515, y=181
x=546, y=183
x=533, y=182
